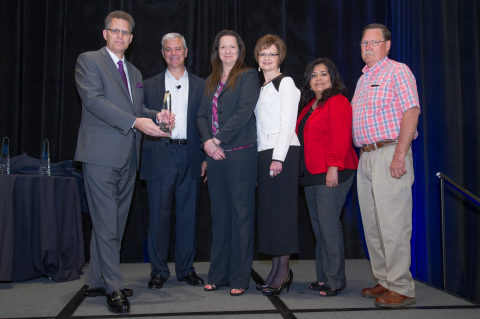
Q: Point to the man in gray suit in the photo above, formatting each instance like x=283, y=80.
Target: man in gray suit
x=173, y=167
x=113, y=115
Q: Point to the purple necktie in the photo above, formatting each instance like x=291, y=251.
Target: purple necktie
x=123, y=75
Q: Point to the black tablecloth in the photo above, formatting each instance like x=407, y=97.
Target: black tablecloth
x=26, y=165
x=40, y=228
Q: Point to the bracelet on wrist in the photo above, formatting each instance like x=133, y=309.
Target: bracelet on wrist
x=217, y=145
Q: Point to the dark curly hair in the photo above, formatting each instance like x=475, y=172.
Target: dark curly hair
x=337, y=85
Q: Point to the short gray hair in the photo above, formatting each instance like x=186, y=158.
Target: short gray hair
x=173, y=35
x=387, y=36
x=119, y=15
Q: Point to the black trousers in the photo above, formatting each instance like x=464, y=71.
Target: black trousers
x=177, y=185
x=231, y=185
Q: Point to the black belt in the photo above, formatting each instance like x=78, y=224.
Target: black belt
x=179, y=142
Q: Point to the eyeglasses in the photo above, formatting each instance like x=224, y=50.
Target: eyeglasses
x=116, y=31
x=264, y=55
x=373, y=43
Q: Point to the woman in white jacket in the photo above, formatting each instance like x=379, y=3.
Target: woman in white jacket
x=278, y=160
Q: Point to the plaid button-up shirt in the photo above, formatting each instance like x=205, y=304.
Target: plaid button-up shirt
x=383, y=93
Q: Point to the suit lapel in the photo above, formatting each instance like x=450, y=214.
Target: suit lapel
x=160, y=88
x=223, y=90
x=192, y=92
x=314, y=113
x=116, y=74
x=133, y=84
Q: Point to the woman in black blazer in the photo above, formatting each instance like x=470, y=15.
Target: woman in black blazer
x=226, y=124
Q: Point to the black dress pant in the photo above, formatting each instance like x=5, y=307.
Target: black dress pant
x=231, y=185
x=177, y=185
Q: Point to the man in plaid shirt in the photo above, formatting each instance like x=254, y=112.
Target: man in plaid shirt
x=385, y=117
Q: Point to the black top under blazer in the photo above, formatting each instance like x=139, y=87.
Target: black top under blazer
x=154, y=149
x=236, y=119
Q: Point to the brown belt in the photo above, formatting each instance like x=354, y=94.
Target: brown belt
x=377, y=145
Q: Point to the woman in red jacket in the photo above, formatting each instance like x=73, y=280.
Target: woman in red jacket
x=327, y=166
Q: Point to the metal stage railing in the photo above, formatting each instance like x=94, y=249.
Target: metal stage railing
x=444, y=178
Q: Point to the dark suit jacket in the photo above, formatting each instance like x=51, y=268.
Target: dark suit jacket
x=327, y=136
x=236, y=118
x=105, y=136
x=154, y=150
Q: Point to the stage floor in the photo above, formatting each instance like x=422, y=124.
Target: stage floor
x=41, y=298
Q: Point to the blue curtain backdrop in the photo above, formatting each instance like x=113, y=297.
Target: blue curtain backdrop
x=438, y=39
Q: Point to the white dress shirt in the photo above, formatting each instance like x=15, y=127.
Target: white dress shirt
x=179, y=102
x=276, y=114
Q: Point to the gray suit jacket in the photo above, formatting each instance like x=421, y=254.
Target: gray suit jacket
x=105, y=136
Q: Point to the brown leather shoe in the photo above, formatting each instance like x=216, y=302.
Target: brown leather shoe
x=374, y=292
x=393, y=299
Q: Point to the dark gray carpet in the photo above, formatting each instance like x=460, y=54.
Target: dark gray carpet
x=42, y=298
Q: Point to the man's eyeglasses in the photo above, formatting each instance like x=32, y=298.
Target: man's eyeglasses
x=117, y=31
x=264, y=55
x=373, y=43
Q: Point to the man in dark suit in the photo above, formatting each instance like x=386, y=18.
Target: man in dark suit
x=173, y=167
x=113, y=115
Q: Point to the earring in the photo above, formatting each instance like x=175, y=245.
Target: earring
x=259, y=70
x=278, y=67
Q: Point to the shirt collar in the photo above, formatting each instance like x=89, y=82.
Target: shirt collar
x=115, y=58
x=380, y=64
x=171, y=77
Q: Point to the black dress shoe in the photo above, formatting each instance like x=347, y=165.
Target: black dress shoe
x=89, y=291
x=156, y=282
x=117, y=302
x=193, y=280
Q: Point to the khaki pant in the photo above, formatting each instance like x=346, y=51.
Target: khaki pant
x=386, y=207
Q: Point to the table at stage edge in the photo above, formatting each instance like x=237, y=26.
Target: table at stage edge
x=40, y=228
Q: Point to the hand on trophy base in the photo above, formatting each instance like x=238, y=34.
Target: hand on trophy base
x=165, y=128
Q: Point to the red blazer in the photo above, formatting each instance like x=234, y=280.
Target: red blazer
x=328, y=136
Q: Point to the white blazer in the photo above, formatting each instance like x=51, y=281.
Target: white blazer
x=276, y=114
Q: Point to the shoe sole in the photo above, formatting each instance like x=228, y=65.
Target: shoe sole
x=200, y=284
x=96, y=294
x=396, y=305
x=93, y=295
x=332, y=295
x=119, y=311
x=373, y=296
x=153, y=288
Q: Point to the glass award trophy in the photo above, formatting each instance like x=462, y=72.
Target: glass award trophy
x=165, y=114
x=5, y=157
x=45, y=159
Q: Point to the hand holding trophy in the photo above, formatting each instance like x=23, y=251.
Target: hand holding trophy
x=164, y=122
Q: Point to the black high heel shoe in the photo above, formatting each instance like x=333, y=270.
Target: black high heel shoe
x=262, y=285
x=269, y=291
